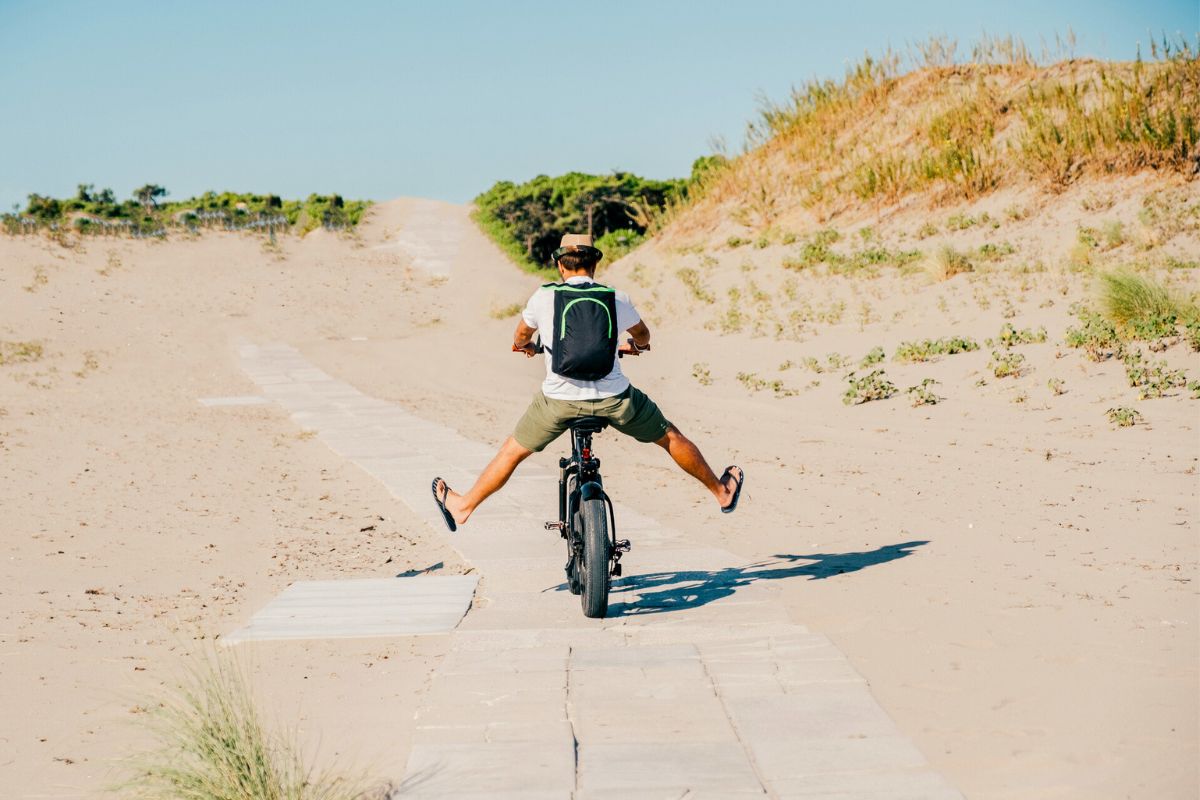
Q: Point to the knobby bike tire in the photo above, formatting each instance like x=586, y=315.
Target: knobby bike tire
x=597, y=550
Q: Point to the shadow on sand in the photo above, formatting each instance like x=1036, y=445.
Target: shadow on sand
x=662, y=592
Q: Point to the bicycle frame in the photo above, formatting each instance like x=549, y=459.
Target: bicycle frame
x=585, y=467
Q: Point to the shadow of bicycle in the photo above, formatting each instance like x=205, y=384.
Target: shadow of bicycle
x=664, y=592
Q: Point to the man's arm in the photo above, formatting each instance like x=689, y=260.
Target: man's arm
x=640, y=334
x=523, y=338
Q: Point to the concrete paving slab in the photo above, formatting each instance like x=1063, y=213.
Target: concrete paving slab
x=618, y=770
x=361, y=608
x=497, y=769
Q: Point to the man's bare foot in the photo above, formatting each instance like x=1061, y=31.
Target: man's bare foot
x=454, y=502
x=729, y=488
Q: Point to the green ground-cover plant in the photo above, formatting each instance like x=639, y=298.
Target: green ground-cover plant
x=1096, y=335
x=874, y=356
x=1007, y=364
x=922, y=395
x=996, y=252
x=1151, y=380
x=872, y=386
x=702, y=374
x=1011, y=336
x=1056, y=386
x=1123, y=416
x=927, y=349
x=756, y=384
x=1191, y=332
x=214, y=745
x=527, y=220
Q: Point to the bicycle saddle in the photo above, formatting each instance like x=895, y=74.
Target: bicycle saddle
x=588, y=424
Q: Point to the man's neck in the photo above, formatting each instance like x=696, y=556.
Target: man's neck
x=577, y=276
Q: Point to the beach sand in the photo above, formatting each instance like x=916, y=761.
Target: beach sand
x=1014, y=576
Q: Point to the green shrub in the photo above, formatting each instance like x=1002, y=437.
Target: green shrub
x=922, y=395
x=1097, y=336
x=875, y=355
x=872, y=386
x=528, y=220
x=1010, y=336
x=1006, y=364
x=1152, y=380
x=1123, y=416
x=619, y=243
x=927, y=349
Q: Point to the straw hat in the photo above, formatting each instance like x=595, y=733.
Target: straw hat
x=575, y=243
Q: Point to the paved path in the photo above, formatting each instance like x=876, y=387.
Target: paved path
x=696, y=686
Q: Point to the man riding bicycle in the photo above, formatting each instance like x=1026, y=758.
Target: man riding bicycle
x=582, y=320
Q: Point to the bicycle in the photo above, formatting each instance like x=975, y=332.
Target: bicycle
x=586, y=520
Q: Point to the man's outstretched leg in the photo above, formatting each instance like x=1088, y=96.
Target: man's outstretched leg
x=690, y=459
x=494, y=475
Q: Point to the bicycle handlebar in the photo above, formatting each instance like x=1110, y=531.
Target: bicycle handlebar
x=534, y=348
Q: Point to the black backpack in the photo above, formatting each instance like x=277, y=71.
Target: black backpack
x=585, y=330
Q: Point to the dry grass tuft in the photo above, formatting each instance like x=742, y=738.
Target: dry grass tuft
x=948, y=262
x=20, y=352
x=214, y=746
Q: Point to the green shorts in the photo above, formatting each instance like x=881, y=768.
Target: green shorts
x=631, y=412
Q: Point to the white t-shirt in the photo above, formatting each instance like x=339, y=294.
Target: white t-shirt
x=539, y=313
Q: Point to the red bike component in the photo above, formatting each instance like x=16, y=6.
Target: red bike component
x=587, y=453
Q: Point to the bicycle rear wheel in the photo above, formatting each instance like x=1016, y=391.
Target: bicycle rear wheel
x=597, y=550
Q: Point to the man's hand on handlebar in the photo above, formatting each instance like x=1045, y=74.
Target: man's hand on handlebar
x=529, y=349
x=630, y=348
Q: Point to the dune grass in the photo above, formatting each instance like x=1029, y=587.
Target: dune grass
x=214, y=745
x=998, y=118
x=1141, y=305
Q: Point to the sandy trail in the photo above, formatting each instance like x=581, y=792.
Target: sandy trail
x=696, y=684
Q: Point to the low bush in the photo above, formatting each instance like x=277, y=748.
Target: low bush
x=1123, y=416
x=1151, y=380
x=927, y=349
x=1096, y=335
x=922, y=395
x=872, y=386
x=1006, y=364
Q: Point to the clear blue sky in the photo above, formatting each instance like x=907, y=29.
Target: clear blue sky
x=440, y=99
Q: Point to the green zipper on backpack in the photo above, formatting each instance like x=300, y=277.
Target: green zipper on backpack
x=562, y=324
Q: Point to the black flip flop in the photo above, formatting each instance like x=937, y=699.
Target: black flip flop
x=729, y=509
x=441, y=504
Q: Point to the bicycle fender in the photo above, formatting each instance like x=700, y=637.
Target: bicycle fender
x=591, y=491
